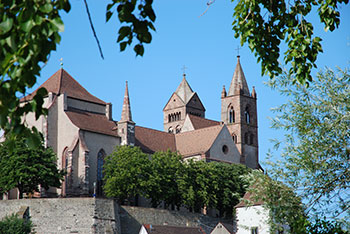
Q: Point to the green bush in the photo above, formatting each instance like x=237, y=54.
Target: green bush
x=15, y=225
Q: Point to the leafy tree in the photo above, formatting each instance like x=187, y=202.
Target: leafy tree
x=26, y=168
x=264, y=24
x=163, y=181
x=315, y=152
x=15, y=225
x=29, y=31
x=127, y=171
x=227, y=186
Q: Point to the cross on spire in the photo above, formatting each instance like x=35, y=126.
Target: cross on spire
x=61, y=62
x=237, y=50
x=184, y=69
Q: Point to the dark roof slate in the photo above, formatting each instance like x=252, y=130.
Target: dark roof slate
x=165, y=229
x=199, y=122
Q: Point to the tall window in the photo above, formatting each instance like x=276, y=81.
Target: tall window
x=65, y=167
x=100, y=161
x=231, y=115
x=247, y=115
x=254, y=230
x=234, y=138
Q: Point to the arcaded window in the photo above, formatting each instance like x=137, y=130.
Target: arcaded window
x=100, y=161
x=231, y=115
x=247, y=115
x=254, y=230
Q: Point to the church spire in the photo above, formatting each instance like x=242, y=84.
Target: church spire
x=238, y=81
x=126, y=112
x=184, y=90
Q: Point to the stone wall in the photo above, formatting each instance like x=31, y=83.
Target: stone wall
x=68, y=215
x=90, y=215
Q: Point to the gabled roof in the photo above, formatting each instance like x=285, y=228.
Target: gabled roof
x=92, y=122
x=165, y=229
x=184, y=90
x=151, y=140
x=61, y=82
x=199, y=122
x=238, y=80
x=197, y=141
x=248, y=197
x=228, y=227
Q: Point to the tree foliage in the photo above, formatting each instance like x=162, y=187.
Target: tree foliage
x=315, y=151
x=264, y=24
x=126, y=173
x=164, y=178
x=26, y=168
x=29, y=31
x=15, y=225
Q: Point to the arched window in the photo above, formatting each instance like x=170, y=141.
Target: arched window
x=100, y=161
x=170, y=130
x=179, y=115
x=177, y=129
x=169, y=118
x=234, y=138
x=231, y=117
x=65, y=167
x=247, y=115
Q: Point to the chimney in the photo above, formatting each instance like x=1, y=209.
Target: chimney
x=109, y=111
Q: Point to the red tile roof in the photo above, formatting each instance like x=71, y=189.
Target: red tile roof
x=151, y=140
x=248, y=196
x=199, y=122
x=158, y=229
x=61, y=82
x=92, y=122
x=197, y=141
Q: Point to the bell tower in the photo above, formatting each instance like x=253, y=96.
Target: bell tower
x=239, y=113
x=126, y=127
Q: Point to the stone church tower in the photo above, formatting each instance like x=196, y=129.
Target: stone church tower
x=126, y=127
x=182, y=102
x=239, y=113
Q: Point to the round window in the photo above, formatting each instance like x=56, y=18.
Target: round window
x=225, y=149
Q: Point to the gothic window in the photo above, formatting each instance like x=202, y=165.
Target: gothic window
x=247, y=115
x=169, y=118
x=231, y=115
x=100, y=161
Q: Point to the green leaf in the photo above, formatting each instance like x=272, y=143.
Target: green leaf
x=6, y=25
x=46, y=8
x=58, y=23
x=108, y=15
x=139, y=49
x=123, y=45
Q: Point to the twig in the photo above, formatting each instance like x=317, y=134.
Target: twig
x=208, y=5
x=93, y=29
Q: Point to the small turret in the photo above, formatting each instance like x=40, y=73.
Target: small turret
x=223, y=92
x=254, y=95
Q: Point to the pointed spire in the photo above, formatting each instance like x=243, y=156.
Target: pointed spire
x=184, y=90
x=238, y=81
x=223, y=92
x=126, y=112
x=254, y=92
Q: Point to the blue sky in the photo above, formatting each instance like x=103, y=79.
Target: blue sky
x=205, y=45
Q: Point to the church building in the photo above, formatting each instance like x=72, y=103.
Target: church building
x=80, y=129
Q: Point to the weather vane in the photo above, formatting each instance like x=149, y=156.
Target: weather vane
x=61, y=62
x=184, y=70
